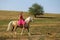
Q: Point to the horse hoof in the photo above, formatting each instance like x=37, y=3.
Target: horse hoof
x=7, y=30
x=21, y=34
x=29, y=34
x=15, y=33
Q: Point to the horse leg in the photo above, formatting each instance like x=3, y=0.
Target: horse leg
x=12, y=28
x=15, y=29
x=28, y=31
x=22, y=30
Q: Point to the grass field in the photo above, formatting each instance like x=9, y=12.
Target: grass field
x=46, y=27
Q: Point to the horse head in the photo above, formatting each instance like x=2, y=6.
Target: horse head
x=29, y=19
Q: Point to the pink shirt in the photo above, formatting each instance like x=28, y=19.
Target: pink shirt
x=21, y=20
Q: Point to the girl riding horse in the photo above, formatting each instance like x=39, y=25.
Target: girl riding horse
x=25, y=24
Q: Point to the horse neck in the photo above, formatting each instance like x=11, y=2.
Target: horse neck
x=27, y=20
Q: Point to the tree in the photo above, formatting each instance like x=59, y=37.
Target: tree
x=36, y=10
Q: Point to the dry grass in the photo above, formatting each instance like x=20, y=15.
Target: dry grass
x=46, y=27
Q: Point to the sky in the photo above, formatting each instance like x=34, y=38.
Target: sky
x=50, y=6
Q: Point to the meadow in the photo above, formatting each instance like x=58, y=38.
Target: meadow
x=45, y=27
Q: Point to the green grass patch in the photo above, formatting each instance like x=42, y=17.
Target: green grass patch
x=6, y=21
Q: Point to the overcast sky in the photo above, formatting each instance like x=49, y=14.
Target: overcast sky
x=50, y=6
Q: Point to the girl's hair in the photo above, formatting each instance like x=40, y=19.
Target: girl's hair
x=21, y=13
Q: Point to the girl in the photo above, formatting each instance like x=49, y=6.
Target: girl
x=21, y=20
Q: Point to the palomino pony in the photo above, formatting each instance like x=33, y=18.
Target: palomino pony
x=12, y=26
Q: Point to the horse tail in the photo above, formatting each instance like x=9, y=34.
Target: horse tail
x=9, y=25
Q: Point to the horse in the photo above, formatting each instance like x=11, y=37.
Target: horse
x=12, y=26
